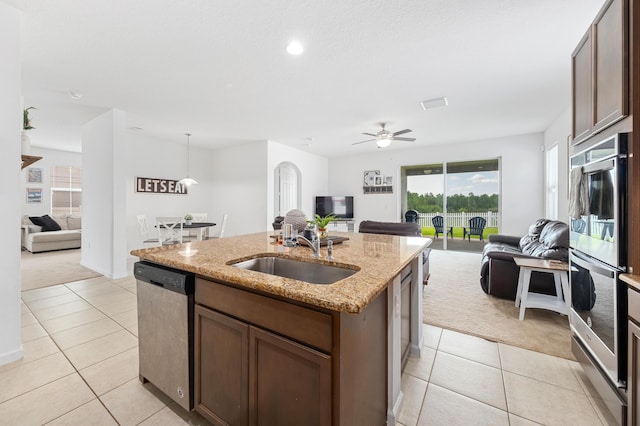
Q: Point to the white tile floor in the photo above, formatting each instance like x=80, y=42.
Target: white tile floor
x=80, y=367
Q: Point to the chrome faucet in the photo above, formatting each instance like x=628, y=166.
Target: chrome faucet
x=314, y=244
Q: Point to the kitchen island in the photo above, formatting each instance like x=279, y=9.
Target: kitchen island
x=278, y=350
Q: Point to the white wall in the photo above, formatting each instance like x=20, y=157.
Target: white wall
x=522, y=162
x=314, y=173
x=152, y=158
x=11, y=188
x=557, y=134
x=104, y=240
x=240, y=187
x=50, y=158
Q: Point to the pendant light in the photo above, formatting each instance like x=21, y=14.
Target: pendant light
x=188, y=181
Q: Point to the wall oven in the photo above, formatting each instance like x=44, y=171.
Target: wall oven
x=598, y=199
x=597, y=255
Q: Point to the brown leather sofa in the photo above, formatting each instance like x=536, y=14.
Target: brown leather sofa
x=548, y=239
x=406, y=229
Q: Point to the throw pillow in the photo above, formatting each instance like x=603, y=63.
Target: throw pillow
x=47, y=223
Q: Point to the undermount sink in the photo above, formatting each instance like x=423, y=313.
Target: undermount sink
x=315, y=273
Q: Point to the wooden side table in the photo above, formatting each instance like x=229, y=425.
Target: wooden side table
x=525, y=299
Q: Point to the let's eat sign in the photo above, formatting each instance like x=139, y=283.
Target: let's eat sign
x=159, y=186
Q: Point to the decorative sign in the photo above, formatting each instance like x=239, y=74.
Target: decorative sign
x=159, y=186
x=376, y=183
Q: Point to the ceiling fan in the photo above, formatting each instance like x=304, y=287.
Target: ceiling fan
x=384, y=137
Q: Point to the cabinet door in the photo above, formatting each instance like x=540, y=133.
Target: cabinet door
x=221, y=367
x=610, y=64
x=582, y=89
x=633, y=374
x=290, y=384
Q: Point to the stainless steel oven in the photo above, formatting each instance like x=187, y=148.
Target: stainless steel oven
x=598, y=314
x=598, y=201
x=597, y=255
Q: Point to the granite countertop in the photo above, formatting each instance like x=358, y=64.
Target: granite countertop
x=632, y=280
x=379, y=259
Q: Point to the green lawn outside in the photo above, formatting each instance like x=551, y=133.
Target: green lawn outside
x=430, y=231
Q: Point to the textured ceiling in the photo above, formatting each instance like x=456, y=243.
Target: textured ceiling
x=220, y=70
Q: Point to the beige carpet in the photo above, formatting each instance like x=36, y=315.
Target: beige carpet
x=453, y=299
x=51, y=268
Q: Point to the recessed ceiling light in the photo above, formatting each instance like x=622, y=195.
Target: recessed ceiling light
x=434, y=103
x=75, y=95
x=295, y=48
x=135, y=128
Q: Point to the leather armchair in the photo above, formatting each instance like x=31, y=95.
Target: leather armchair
x=547, y=239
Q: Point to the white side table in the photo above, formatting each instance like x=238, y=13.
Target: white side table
x=525, y=299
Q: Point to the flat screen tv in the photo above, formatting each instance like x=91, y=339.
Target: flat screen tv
x=340, y=206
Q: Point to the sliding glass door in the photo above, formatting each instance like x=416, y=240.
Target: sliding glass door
x=459, y=192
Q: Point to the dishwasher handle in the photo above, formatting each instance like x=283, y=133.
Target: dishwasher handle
x=171, y=279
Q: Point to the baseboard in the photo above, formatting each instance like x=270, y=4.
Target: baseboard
x=12, y=356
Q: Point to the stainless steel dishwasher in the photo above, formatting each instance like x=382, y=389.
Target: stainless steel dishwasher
x=165, y=329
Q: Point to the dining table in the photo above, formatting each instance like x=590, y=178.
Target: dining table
x=200, y=226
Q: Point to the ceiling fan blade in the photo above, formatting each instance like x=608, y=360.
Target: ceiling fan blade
x=368, y=140
x=370, y=134
x=405, y=139
x=402, y=132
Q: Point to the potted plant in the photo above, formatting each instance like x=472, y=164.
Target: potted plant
x=322, y=222
x=187, y=219
x=26, y=125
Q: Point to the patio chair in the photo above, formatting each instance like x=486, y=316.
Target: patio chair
x=476, y=226
x=411, y=216
x=438, y=223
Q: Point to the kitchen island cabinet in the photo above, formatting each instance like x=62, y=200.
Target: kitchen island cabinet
x=270, y=349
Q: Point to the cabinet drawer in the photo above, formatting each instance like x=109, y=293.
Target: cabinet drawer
x=633, y=304
x=310, y=327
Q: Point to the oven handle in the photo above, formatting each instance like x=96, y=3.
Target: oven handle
x=599, y=165
x=580, y=261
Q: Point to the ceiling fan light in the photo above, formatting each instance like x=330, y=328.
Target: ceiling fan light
x=383, y=142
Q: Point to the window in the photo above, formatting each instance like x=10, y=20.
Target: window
x=552, y=183
x=66, y=190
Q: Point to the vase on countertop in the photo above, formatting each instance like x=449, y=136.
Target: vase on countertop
x=187, y=222
x=323, y=233
x=25, y=143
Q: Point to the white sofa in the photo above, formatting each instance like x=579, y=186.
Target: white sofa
x=69, y=236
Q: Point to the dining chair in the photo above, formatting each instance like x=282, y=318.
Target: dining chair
x=169, y=229
x=222, y=226
x=199, y=217
x=143, y=229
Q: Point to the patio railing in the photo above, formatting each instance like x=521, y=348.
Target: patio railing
x=459, y=220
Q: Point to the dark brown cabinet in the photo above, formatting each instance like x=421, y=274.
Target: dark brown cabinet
x=288, y=383
x=600, y=72
x=222, y=367
x=238, y=367
x=268, y=361
x=633, y=359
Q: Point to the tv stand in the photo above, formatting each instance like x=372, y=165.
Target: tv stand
x=344, y=224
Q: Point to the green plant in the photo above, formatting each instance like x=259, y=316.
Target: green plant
x=322, y=222
x=188, y=217
x=26, y=121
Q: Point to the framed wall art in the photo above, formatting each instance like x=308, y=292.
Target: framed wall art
x=34, y=195
x=34, y=175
